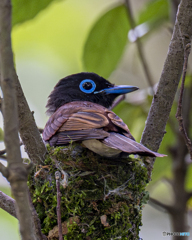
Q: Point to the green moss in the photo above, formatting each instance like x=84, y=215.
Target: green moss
x=96, y=187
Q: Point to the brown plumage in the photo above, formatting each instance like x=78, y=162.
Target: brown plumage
x=98, y=128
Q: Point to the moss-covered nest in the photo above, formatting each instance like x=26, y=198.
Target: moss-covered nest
x=101, y=198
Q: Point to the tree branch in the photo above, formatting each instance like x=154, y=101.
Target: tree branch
x=179, y=108
x=28, y=130
x=179, y=169
x=159, y=205
x=17, y=172
x=3, y=157
x=2, y=152
x=8, y=204
x=139, y=47
x=4, y=170
x=57, y=177
x=117, y=101
x=169, y=80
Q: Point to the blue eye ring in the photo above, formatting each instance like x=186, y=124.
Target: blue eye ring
x=87, y=90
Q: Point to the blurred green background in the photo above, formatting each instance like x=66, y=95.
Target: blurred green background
x=52, y=39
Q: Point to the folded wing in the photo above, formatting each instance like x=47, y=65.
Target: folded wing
x=65, y=137
x=77, y=121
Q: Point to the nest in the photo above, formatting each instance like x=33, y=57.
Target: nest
x=101, y=198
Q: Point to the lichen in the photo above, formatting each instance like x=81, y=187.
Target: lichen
x=97, y=188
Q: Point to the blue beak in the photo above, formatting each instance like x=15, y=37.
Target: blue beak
x=121, y=89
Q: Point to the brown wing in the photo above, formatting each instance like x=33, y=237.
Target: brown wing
x=81, y=121
x=117, y=121
x=62, y=138
x=84, y=120
x=70, y=119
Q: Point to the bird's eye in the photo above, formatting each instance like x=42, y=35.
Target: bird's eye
x=87, y=86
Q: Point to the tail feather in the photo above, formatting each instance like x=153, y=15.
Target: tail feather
x=118, y=141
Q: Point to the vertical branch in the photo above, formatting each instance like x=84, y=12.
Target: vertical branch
x=57, y=177
x=169, y=80
x=161, y=107
x=139, y=47
x=28, y=130
x=179, y=214
x=179, y=108
x=16, y=171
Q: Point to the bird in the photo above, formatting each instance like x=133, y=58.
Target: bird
x=79, y=112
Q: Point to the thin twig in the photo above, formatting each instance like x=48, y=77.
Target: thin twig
x=139, y=47
x=179, y=107
x=58, y=177
x=2, y=152
x=8, y=204
x=3, y=157
x=159, y=205
x=4, y=170
x=117, y=101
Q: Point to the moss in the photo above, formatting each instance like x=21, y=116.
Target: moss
x=97, y=187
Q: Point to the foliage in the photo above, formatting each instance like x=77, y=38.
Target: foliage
x=106, y=42
x=154, y=13
x=24, y=10
x=101, y=53
x=97, y=187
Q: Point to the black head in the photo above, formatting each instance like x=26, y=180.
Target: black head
x=84, y=86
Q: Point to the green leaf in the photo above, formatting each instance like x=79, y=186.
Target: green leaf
x=1, y=135
x=106, y=42
x=24, y=10
x=155, y=12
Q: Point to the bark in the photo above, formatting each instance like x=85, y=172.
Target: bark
x=28, y=130
x=160, y=110
x=169, y=80
x=8, y=204
x=16, y=172
x=178, y=214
